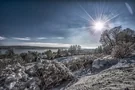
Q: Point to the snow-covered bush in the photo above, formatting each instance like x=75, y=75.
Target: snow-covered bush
x=4, y=62
x=30, y=56
x=77, y=64
x=120, y=51
x=34, y=76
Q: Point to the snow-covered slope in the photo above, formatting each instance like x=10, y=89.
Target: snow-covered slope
x=118, y=77
x=103, y=73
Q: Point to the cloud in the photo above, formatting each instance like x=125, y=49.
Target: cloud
x=56, y=38
x=44, y=44
x=55, y=45
x=129, y=8
x=24, y=39
x=59, y=37
x=2, y=38
x=41, y=38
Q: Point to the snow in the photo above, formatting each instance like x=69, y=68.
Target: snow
x=110, y=74
x=12, y=85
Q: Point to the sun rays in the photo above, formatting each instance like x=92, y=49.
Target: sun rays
x=102, y=17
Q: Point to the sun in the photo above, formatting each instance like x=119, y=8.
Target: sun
x=99, y=25
x=102, y=21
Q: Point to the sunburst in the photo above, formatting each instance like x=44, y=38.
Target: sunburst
x=99, y=25
x=101, y=20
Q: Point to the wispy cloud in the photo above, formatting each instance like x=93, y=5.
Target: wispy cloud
x=57, y=38
x=24, y=39
x=2, y=38
x=42, y=44
x=41, y=38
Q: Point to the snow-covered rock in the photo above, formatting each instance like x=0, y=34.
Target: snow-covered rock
x=123, y=63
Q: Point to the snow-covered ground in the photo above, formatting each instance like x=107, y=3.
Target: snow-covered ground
x=103, y=73
x=69, y=58
x=118, y=77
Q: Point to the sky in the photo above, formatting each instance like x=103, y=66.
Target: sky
x=60, y=23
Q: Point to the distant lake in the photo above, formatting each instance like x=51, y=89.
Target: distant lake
x=18, y=51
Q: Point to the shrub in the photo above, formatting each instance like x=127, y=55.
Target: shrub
x=77, y=64
x=49, y=54
x=9, y=53
x=121, y=51
x=29, y=57
x=34, y=76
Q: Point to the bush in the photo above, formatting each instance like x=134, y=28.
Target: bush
x=77, y=64
x=34, y=76
x=49, y=54
x=29, y=57
x=121, y=51
x=9, y=53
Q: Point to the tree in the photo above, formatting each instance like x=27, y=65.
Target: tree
x=118, y=42
x=79, y=49
x=71, y=49
x=74, y=49
x=109, y=39
x=99, y=49
x=59, y=52
x=66, y=53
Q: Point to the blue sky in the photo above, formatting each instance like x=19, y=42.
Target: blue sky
x=59, y=23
